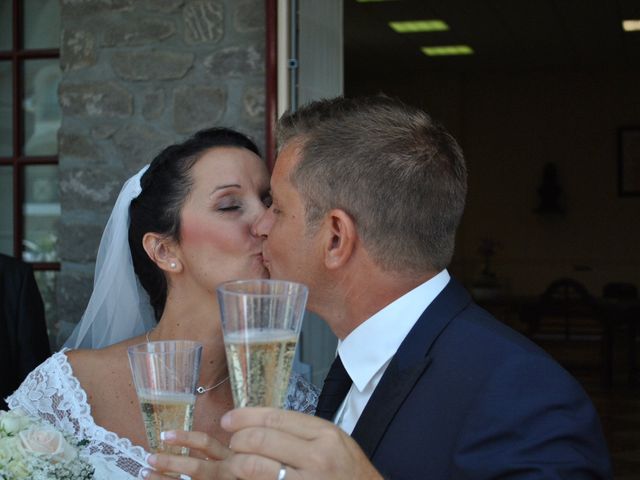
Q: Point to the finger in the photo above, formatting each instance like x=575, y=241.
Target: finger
x=195, y=468
x=200, y=441
x=279, y=446
x=149, y=474
x=252, y=467
x=295, y=423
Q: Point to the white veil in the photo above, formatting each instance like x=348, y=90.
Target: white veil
x=119, y=308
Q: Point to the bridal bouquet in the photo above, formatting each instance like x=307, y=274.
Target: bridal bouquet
x=31, y=449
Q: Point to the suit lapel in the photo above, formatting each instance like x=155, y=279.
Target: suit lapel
x=407, y=366
x=393, y=388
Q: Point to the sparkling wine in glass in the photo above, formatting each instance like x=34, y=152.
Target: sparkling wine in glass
x=261, y=322
x=165, y=376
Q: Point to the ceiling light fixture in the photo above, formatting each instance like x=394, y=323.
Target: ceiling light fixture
x=631, y=25
x=413, y=26
x=447, y=50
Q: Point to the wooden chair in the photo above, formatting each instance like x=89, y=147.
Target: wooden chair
x=565, y=311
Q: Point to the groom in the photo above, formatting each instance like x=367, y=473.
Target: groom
x=367, y=197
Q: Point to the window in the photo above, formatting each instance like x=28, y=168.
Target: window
x=29, y=122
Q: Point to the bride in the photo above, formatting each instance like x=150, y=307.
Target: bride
x=184, y=225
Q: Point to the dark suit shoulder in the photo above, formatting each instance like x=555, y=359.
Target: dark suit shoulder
x=11, y=264
x=13, y=273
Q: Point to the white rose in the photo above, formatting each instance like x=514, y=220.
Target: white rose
x=14, y=421
x=103, y=470
x=47, y=443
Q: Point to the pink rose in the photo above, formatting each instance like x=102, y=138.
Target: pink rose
x=47, y=443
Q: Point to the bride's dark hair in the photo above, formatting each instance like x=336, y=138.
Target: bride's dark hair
x=165, y=186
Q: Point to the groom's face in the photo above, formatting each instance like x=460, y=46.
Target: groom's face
x=289, y=252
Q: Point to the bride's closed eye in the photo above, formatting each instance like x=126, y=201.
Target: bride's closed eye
x=228, y=205
x=229, y=209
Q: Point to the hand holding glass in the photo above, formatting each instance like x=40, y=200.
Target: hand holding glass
x=261, y=322
x=165, y=376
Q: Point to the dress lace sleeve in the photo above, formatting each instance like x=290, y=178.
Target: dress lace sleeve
x=47, y=393
x=53, y=393
x=302, y=396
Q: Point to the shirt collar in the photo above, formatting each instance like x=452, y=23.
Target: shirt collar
x=372, y=344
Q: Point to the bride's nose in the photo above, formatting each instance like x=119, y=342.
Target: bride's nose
x=262, y=225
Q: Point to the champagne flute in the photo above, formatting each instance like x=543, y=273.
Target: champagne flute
x=261, y=322
x=165, y=376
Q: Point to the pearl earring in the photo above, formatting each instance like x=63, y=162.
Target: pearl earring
x=173, y=265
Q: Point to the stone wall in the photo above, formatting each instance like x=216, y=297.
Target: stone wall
x=137, y=76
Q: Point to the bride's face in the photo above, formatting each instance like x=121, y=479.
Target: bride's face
x=230, y=190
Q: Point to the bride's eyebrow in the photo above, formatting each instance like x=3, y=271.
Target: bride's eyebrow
x=222, y=187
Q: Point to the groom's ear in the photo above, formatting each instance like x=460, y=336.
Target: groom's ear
x=161, y=252
x=340, y=239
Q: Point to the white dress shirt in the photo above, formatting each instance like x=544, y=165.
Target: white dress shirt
x=367, y=351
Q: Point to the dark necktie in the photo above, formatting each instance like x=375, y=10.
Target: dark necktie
x=335, y=388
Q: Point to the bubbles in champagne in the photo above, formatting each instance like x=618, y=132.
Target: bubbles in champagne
x=162, y=411
x=260, y=366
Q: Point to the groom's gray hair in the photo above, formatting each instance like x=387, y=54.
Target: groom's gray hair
x=396, y=172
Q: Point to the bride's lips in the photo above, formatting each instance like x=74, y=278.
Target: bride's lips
x=260, y=258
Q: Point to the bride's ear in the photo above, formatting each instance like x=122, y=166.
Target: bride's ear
x=160, y=251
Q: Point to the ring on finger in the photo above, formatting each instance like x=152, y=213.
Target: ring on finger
x=282, y=474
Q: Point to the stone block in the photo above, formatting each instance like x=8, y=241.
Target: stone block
x=78, y=50
x=95, y=100
x=73, y=292
x=196, y=107
x=237, y=61
x=88, y=189
x=258, y=136
x=154, y=65
x=137, y=145
x=77, y=10
x=135, y=31
x=77, y=146
x=254, y=101
x=80, y=242
x=203, y=21
x=102, y=132
x=162, y=5
x=250, y=16
x=153, y=104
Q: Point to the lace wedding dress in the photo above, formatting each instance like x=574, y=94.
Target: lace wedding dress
x=53, y=393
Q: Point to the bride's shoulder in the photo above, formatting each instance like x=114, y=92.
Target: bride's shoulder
x=100, y=358
x=85, y=363
x=84, y=357
x=90, y=365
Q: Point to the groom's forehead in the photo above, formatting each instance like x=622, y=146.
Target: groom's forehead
x=286, y=162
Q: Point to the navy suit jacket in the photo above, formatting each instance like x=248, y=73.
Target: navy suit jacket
x=466, y=397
